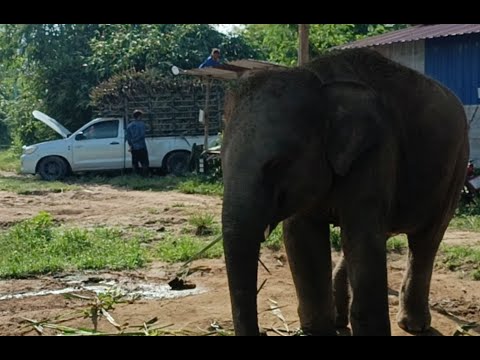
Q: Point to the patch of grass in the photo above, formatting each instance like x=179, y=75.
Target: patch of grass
x=32, y=186
x=275, y=240
x=467, y=258
x=178, y=249
x=394, y=244
x=476, y=275
x=197, y=186
x=38, y=246
x=141, y=234
x=466, y=223
x=201, y=220
x=9, y=160
x=153, y=211
x=203, y=224
x=472, y=208
x=397, y=244
x=335, y=238
x=136, y=182
x=189, y=184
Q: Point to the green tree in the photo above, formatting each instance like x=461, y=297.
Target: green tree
x=363, y=30
x=54, y=67
x=274, y=42
x=279, y=42
x=121, y=47
x=45, y=68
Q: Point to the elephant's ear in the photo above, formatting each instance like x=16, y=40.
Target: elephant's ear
x=354, y=122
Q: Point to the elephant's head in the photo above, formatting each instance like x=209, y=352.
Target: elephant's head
x=288, y=137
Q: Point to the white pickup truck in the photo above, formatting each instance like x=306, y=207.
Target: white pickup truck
x=100, y=145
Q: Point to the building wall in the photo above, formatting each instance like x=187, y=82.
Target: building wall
x=455, y=62
x=411, y=54
x=473, y=116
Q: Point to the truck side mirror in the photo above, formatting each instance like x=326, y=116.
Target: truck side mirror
x=80, y=136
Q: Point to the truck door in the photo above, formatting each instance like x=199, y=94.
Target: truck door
x=99, y=147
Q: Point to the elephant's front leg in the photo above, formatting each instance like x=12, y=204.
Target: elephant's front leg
x=308, y=248
x=364, y=248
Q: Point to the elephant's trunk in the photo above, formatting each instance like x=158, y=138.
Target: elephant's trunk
x=244, y=220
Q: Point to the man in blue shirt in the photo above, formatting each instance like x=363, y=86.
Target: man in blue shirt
x=135, y=137
x=213, y=60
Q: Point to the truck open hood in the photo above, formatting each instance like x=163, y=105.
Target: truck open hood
x=54, y=124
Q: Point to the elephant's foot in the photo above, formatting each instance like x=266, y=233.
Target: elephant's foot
x=414, y=322
x=317, y=332
x=317, y=326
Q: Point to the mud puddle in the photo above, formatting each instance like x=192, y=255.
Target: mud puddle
x=122, y=286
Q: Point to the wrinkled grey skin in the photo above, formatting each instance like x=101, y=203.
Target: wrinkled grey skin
x=354, y=139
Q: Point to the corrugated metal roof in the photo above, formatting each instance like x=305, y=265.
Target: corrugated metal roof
x=413, y=33
x=231, y=70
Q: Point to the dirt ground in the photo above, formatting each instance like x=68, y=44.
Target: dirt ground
x=455, y=301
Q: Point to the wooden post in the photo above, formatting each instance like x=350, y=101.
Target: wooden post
x=302, y=44
x=205, y=113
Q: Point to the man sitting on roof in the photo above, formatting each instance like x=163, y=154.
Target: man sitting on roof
x=213, y=60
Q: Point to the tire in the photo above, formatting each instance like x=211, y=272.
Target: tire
x=177, y=163
x=52, y=168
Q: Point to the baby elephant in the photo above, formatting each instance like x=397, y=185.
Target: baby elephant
x=354, y=139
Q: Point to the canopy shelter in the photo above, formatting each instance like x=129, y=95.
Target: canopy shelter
x=231, y=70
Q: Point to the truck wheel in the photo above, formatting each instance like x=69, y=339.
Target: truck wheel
x=177, y=163
x=52, y=168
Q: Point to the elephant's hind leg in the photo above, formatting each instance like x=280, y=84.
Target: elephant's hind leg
x=414, y=313
x=308, y=248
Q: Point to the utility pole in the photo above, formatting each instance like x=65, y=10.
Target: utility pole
x=302, y=44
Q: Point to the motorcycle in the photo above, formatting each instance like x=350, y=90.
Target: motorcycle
x=471, y=188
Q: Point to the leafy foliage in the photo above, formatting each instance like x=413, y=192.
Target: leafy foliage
x=52, y=58
x=9, y=161
x=121, y=47
x=276, y=42
x=279, y=42
x=54, y=67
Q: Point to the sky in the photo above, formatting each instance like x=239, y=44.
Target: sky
x=226, y=28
